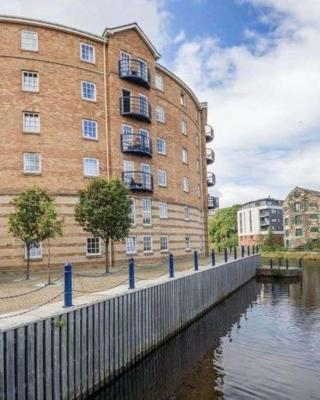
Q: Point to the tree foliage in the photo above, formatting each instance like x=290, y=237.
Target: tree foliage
x=223, y=227
x=103, y=211
x=34, y=219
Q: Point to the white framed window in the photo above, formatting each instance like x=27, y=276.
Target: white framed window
x=188, y=243
x=146, y=212
x=88, y=91
x=93, y=246
x=30, y=81
x=31, y=122
x=147, y=244
x=87, y=53
x=185, y=184
x=125, y=56
x=198, y=190
x=160, y=114
x=184, y=127
x=31, y=163
x=163, y=210
x=35, y=251
x=29, y=40
x=162, y=177
x=187, y=213
x=197, y=140
x=90, y=166
x=132, y=214
x=164, y=243
x=161, y=146
x=184, y=156
x=128, y=169
x=90, y=129
x=159, y=82
x=183, y=99
x=131, y=244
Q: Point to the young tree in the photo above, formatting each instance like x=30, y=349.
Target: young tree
x=223, y=227
x=34, y=220
x=103, y=210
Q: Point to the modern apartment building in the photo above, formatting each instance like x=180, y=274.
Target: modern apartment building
x=257, y=218
x=301, y=212
x=76, y=105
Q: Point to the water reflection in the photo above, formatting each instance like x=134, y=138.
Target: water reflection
x=263, y=342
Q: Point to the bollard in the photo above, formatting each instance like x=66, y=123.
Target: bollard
x=280, y=261
x=287, y=263
x=213, y=258
x=131, y=274
x=258, y=249
x=225, y=255
x=242, y=251
x=271, y=263
x=253, y=249
x=219, y=248
x=196, y=264
x=171, y=266
x=248, y=250
x=67, y=285
x=235, y=252
x=300, y=262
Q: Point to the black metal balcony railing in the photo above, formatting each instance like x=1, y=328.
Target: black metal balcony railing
x=211, y=179
x=209, y=133
x=138, y=144
x=136, y=71
x=213, y=202
x=210, y=156
x=135, y=107
x=138, y=181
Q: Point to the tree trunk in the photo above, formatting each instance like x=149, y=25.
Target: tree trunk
x=49, y=266
x=28, y=263
x=107, y=255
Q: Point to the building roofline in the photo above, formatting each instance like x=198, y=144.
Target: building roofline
x=136, y=27
x=258, y=200
x=50, y=25
x=316, y=192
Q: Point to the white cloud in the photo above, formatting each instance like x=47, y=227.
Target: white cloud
x=180, y=37
x=265, y=93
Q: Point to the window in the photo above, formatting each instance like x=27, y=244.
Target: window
x=29, y=41
x=188, y=243
x=146, y=212
x=159, y=82
x=313, y=205
x=32, y=163
x=197, y=140
x=87, y=53
x=88, y=91
x=184, y=127
x=183, y=99
x=286, y=221
x=89, y=129
x=90, y=167
x=161, y=146
x=313, y=216
x=160, y=114
x=163, y=210
x=297, y=207
x=184, y=155
x=164, y=243
x=250, y=220
x=93, y=247
x=132, y=214
x=131, y=245
x=30, y=81
x=31, y=122
x=297, y=220
x=162, y=177
x=298, y=232
x=128, y=169
x=147, y=244
x=125, y=56
x=286, y=232
x=314, y=229
x=185, y=184
x=35, y=251
x=187, y=213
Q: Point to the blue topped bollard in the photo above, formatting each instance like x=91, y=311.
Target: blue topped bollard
x=213, y=258
x=196, y=263
x=171, y=266
x=225, y=255
x=68, y=285
x=131, y=274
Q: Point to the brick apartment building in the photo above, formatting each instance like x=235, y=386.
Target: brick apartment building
x=76, y=105
x=301, y=212
x=257, y=218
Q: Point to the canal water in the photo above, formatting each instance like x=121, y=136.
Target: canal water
x=263, y=342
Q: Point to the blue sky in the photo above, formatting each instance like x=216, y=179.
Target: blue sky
x=256, y=63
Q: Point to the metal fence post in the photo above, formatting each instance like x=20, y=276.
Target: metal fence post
x=225, y=255
x=253, y=249
x=287, y=263
x=235, y=252
x=131, y=274
x=171, y=266
x=242, y=251
x=67, y=285
x=300, y=262
x=213, y=258
x=280, y=262
x=196, y=264
x=271, y=263
x=248, y=250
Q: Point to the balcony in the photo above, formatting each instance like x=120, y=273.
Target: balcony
x=210, y=156
x=138, y=181
x=209, y=133
x=135, y=107
x=211, y=179
x=213, y=202
x=135, y=71
x=136, y=144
